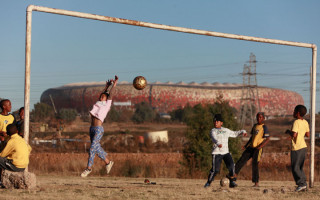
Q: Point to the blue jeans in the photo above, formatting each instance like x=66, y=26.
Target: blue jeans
x=96, y=133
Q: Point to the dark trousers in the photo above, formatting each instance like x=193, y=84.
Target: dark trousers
x=297, y=162
x=216, y=164
x=255, y=154
x=7, y=165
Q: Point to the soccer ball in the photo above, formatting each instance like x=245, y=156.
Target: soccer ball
x=139, y=82
x=224, y=182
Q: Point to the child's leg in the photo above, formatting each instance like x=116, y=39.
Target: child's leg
x=255, y=165
x=297, y=162
x=96, y=134
x=216, y=163
x=227, y=158
x=246, y=155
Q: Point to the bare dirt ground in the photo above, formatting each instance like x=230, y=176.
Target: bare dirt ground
x=71, y=187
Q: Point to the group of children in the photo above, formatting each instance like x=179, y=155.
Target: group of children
x=253, y=149
x=219, y=135
x=14, y=150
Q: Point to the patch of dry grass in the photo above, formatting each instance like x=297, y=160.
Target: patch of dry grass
x=130, y=164
x=71, y=187
x=274, y=167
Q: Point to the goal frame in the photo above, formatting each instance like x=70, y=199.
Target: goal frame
x=32, y=8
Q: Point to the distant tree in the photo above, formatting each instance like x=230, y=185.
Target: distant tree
x=181, y=114
x=197, y=153
x=67, y=114
x=143, y=113
x=125, y=115
x=113, y=115
x=41, y=113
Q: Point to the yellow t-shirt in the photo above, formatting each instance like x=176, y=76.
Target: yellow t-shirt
x=300, y=126
x=17, y=150
x=5, y=120
x=259, y=134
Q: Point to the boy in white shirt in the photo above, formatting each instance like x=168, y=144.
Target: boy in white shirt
x=220, y=151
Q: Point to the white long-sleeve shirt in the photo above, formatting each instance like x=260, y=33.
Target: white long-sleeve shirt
x=221, y=136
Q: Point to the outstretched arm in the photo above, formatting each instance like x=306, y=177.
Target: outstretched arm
x=115, y=81
x=234, y=134
x=108, y=84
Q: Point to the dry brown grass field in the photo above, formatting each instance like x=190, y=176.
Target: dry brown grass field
x=58, y=170
x=92, y=187
x=273, y=167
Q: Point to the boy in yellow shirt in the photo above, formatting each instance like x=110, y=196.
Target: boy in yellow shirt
x=15, y=156
x=253, y=149
x=5, y=119
x=299, y=130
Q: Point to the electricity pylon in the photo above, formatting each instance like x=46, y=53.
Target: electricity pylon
x=250, y=96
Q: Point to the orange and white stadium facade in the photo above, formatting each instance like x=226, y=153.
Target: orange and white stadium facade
x=165, y=97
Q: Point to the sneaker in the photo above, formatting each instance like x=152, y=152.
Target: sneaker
x=86, y=172
x=109, y=166
x=300, y=188
x=231, y=178
x=206, y=185
x=232, y=184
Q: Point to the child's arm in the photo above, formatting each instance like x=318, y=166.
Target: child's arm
x=7, y=150
x=307, y=134
x=294, y=134
x=113, y=85
x=3, y=135
x=291, y=133
x=214, y=140
x=266, y=136
x=237, y=133
x=263, y=143
x=108, y=83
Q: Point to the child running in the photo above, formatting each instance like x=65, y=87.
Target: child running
x=299, y=130
x=98, y=114
x=220, y=150
x=253, y=149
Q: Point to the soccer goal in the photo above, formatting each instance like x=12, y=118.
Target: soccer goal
x=31, y=8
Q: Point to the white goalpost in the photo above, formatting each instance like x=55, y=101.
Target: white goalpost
x=31, y=8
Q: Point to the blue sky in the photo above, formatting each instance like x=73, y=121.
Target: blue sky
x=67, y=49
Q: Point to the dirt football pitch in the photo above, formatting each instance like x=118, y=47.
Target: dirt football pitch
x=71, y=187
